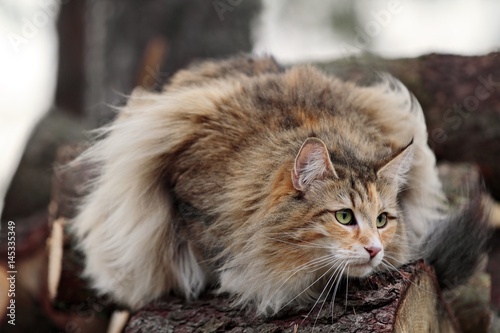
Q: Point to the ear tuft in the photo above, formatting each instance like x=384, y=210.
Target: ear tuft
x=312, y=163
x=395, y=167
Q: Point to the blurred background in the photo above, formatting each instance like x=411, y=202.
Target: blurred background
x=65, y=64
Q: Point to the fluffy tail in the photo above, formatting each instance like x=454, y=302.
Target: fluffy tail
x=125, y=226
x=457, y=245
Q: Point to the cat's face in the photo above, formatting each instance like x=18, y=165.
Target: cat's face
x=353, y=223
x=346, y=220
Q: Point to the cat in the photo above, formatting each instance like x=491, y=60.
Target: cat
x=267, y=182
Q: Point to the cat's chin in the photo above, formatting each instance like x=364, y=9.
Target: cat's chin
x=360, y=270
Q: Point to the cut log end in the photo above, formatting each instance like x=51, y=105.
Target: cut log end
x=118, y=321
x=56, y=245
x=422, y=298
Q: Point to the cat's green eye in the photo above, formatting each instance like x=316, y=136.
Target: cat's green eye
x=345, y=216
x=381, y=220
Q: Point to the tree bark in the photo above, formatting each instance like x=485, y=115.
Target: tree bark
x=406, y=300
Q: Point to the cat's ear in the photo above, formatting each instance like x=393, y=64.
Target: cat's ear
x=396, y=166
x=312, y=163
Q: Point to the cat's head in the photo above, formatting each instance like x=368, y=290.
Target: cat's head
x=346, y=216
x=357, y=219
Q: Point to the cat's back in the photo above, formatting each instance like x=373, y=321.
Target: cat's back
x=252, y=104
x=247, y=117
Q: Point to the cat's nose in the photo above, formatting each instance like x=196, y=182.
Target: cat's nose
x=373, y=250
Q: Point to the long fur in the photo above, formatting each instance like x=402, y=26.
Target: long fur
x=126, y=222
x=190, y=183
x=457, y=244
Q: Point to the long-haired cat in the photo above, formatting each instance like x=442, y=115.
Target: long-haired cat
x=269, y=183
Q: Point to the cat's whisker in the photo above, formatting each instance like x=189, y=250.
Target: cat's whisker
x=394, y=269
x=312, y=262
x=329, y=263
x=388, y=269
x=313, y=266
x=321, y=294
x=385, y=261
x=339, y=277
x=321, y=262
x=396, y=260
x=326, y=258
x=319, y=297
x=346, y=289
x=389, y=265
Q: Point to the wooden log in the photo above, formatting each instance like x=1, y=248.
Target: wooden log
x=471, y=304
x=407, y=300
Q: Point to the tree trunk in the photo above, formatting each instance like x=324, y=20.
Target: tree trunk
x=119, y=33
